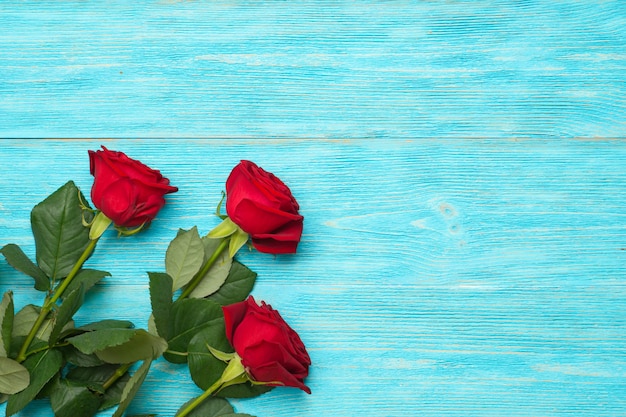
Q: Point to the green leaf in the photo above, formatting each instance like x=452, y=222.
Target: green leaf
x=211, y=407
x=217, y=274
x=161, y=300
x=184, y=257
x=60, y=237
x=18, y=260
x=95, y=377
x=237, y=286
x=71, y=400
x=13, y=376
x=6, y=323
x=142, y=345
x=92, y=342
x=108, y=324
x=68, y=308
x=87, y=277
x=78, y=358
x=41, y=367
x=205, y=368
x=132, y=386
x=188, y=317
x=24, y=320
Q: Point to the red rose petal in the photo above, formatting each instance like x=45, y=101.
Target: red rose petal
x=233, y=315
x=276, y=372
x=117, y=201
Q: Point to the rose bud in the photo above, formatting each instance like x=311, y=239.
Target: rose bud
x=125, y=190
x=263, y=207
x=270, y=350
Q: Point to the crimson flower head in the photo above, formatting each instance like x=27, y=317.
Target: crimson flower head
x=125, y=190
x=270, y=350
x=263, y=206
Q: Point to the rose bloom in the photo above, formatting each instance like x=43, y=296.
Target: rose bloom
x=125, y=190
x=270, y=350
x=263, y=206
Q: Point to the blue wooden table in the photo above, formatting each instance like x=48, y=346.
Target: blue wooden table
x=461, y=167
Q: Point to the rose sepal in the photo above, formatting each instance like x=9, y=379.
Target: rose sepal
x=226, y=228
x=229, y=229
x=223, y=356
x=237, y=240
x=235, y=371
x=125, y=231
x=99, y=225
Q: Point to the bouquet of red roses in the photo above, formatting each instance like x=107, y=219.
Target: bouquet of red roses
x=202, y=312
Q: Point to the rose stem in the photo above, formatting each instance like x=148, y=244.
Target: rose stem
x=235, y=373
x=50, y=302
x=205, y=268
x=119, y=372
x=206, y=394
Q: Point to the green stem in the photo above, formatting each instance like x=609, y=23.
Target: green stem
x=119, y=372
x=235, y=373
x=206, y=394
x=41, y=349
x=205, y=268
x=51, y=302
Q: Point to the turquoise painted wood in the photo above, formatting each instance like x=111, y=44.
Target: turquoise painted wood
x=323, y=69
x=479, y=278
x=460, y=166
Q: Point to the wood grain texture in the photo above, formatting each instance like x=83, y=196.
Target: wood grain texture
x=434, y=278
x=324, y=69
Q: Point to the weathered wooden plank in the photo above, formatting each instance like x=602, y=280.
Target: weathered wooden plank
x=435, y=277
x=326, y=69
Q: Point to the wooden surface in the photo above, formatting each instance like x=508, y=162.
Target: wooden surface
x=302, y=69
x=460, y=166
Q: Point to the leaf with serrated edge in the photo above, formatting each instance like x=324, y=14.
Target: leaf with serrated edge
x=41, y=367
x=161, y=301
x=217, y=274
x=188, y=317
x=78, y=358
x=6, y=323
x=142, y=345
x=108, y=324
x=68, y=308
x=24, y=320
x=60, y=236
x=18, y=260
x=94, y=377
x=87, y=277
x=184, y=257
x=211, y=407
x=98, y=340
x=237, y=286
x=13, y=376
x=70, y=400
x=132, y=386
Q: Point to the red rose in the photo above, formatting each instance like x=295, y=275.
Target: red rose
x=270, y=350
x=262, y=206
x=125, y=190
